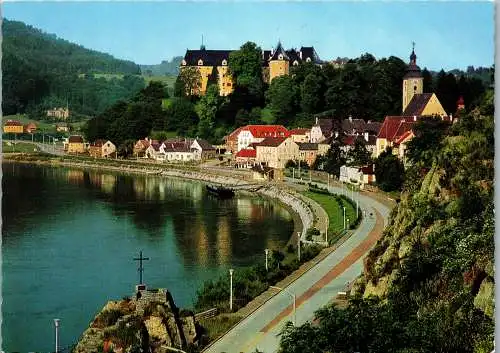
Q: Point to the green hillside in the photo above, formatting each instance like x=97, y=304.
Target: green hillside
x=40, y=69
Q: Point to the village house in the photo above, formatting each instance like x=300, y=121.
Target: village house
x=13, y=126
x=245, y=158
x=300, y=135
x=357, y=175
x=178, y=151
x=370, y=142
x=140, y=147
x=102, y=149
x=75, y=144
x=257, y=133
x=275, y=152
x=153, y=151
x=213, y=64
x=323, y=129
x=231, y=140
x=308, y=152
x=58, y=113
x=203, y=150
x=392, y=129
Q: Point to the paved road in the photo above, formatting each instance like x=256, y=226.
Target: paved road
x=314, y=289
x=47, y=148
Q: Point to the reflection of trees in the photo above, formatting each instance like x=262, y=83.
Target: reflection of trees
x=230, y=231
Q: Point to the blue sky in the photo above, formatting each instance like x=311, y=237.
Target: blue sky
x=447, y=34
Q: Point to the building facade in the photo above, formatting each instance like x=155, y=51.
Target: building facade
x=214, y=64
x=58, y=113
x=257, y=133
x=76, y=144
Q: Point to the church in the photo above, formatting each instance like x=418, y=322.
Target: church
x=397, y=131
x=275, y=63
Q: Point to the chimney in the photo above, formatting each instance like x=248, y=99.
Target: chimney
x=336, y=134
x=414, y=118
x=366, y=136
x=316, y=120
x=350, y=118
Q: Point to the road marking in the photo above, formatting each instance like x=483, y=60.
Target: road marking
x=337, y=270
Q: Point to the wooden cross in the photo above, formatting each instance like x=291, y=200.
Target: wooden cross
x=140, y=269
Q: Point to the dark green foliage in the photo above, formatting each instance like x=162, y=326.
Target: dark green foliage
x=41, y=70
x=429, y=133
x=389, y=171
x=245, y=65
x=282, y=98
x=333, y=160
x=359, y=155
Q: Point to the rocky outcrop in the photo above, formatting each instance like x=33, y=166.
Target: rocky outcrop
x=149, y=321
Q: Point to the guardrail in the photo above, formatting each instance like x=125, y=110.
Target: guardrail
x=206, y=314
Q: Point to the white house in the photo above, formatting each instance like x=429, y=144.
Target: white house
x=178, y=152
x=357, y=175
x=203, y=149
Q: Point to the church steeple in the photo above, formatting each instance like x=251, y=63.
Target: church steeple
x=413, y=82
x=413, y=56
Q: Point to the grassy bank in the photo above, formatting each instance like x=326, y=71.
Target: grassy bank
x=19, y=148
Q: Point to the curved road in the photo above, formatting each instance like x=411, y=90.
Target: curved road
x=44, y=147
x=316, y=288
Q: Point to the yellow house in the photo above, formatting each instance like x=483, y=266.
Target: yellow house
x=276, y=151
x=75, y=144
x=13, y=126
x=215, y=63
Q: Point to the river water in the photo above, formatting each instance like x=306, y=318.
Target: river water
x=69, y=238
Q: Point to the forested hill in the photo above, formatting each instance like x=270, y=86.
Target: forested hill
x=47, y=52
x=37, y=65
x=170, y=68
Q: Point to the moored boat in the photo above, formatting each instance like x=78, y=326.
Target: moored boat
x=220, y=191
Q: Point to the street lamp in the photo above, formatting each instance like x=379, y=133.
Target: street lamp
x=267, y=252
x=298, y=245
x=347, y=222
x=344, y=216
x=293, y=297
x=56, y=324
x=230, y=290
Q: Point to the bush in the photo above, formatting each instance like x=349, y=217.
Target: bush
x=107, y=318
x=290, y=249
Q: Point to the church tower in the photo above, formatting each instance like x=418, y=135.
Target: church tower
x=413, y=81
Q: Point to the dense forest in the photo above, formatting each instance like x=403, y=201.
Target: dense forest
x=428, y=284
x=41, y=71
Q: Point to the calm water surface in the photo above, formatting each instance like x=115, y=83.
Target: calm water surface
x=69, y=238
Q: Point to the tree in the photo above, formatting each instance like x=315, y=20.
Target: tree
x=245, y=65
x=389, y=171
x=181, y=117
x=311, y=94
x=282, y=98
x=207, y=109
x=334, y=158
x=428, y=84
x=429, y=133
x=277, y=256
x=188, y=82
x=359, y=155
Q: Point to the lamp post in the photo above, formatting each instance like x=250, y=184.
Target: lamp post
x=357, y=205
x=230, y=290
x=298, y=246
x=293, y=297
x=344, y=216
x=326, y=235
x=347, y=222
x=56, y=324
x=267, y=252
x=328, y=177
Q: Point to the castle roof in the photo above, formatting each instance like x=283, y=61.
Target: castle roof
x=209, y=57
x=279, y=50
x=417, y=104
x=299, y=131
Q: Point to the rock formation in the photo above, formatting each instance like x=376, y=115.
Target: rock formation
x=148, y=322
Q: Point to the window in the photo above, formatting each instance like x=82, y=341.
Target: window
x=184, y=63
x=229, y=84
x=200, y=62
x=280, y=57
x=224, y=62
x=308, y=60
x=414, y=88
x=295, y=63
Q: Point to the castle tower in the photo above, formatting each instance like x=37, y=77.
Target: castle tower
x=413, y=81
x=279, y=63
